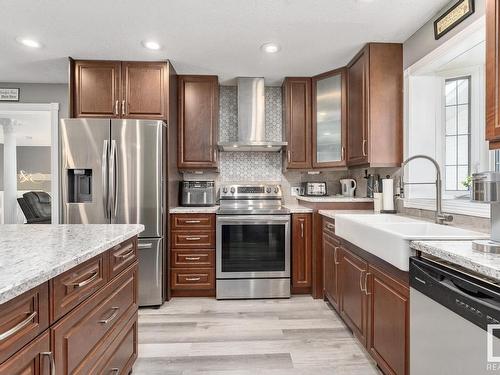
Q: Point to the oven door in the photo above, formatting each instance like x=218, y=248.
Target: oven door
x=253, y=246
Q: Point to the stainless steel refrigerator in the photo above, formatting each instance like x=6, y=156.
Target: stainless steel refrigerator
x=113, y=171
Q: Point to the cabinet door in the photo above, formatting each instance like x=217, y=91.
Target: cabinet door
x=297, y=116
x=144, y=86
x=388, y=316
x=97, y=89
x=357, y=137
x=34, y=359
x=353, y=301
x=329, y=119
x=492, y=73
x=331, y=253
x=301, y=253
x=198, y=120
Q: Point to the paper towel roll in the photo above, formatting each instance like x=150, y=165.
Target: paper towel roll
x=388, y=194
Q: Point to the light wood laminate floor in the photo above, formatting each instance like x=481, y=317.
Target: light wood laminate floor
x=203, y=336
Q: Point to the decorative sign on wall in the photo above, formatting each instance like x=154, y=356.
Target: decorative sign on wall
x=9, y=95
x=452, y=17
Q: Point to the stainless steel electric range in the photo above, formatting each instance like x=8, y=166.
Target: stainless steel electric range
x=253, y=243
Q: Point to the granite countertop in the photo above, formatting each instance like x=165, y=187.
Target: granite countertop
x=331, y=213
x=462, y=254
x=33, y=254
x=333, y=199
x=298, y=209
x=194, y=210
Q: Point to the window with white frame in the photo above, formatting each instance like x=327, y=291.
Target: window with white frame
x=457, y=133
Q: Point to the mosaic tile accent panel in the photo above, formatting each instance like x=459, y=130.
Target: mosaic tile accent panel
x=228, y=113
x=274, y=112
x=250, y=166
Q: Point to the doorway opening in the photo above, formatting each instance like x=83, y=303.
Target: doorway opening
x=29, y=167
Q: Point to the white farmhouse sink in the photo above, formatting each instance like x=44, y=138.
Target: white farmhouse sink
x=388, y=236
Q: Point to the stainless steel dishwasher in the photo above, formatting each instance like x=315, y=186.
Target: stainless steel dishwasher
x=450, y=311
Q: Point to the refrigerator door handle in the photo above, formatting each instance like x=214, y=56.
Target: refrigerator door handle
x=112, y=179
x=104, y=169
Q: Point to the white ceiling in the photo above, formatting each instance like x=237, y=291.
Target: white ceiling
x=202, y=36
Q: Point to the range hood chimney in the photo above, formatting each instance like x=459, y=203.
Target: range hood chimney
x=251, y=119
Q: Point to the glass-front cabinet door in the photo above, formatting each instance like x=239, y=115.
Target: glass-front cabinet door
x=329, y=119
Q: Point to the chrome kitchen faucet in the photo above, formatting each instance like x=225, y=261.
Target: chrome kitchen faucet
x=441, y=218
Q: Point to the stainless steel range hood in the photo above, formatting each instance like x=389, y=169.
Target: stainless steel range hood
x=251, y=119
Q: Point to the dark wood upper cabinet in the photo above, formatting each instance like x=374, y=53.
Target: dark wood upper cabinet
x=97, y=89
x=329, y=119
x=389, y=302
x=144, y=90
x=301, y=253
x=492, y=73
x=116, y=89
x=375, y=106
x=353, y=299
x=297, y=118
x=198, y=117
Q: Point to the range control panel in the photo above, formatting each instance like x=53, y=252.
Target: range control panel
x=250, y=191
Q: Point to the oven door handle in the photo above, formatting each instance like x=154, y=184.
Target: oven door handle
x=253, y=219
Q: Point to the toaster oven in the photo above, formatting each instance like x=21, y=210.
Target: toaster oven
x=197, y=193
x=315, y=189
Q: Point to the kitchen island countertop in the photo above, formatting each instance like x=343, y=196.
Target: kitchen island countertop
x=33, y=254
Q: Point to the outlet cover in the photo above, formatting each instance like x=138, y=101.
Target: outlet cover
x=295, y=191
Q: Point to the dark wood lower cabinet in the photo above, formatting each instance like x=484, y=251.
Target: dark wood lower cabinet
x=301, y=253
x=388, y=319
x=94, y=330
x=33, y=359
x=371, y=296
x=331, y=251
x=353, y=301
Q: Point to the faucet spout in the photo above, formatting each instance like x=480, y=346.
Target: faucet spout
x=441, y=218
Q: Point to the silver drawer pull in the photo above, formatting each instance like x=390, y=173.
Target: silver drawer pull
x=145, y=246
x=330, y=226
x=18, y=327
x=193, y=238
x=87, y=281
x=193, y=258
x=114, y=370
x=111, y=317
x=193, y=221
x=52, y=362
x=126, y=255
x=193, y=278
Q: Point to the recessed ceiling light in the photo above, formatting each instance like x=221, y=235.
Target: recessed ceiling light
x=149, y=44
x=29, y=42
x=270, y=47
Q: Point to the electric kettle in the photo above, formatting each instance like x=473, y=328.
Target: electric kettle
x=348, y=186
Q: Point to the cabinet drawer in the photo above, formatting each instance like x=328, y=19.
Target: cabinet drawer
x=33, y=359
x=119, y=356
x=193, y=239
x=78, y=333
x=193, y=278
x=22, y=319
x=193, y=258
x=121, y=256
x=193, y=221
x=72, y=287
x=329, y=227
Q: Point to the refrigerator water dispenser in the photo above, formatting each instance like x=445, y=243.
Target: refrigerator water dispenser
x=79, y=185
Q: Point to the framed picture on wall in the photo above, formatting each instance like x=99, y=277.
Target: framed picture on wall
x=452, y=17
x=9, y=94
